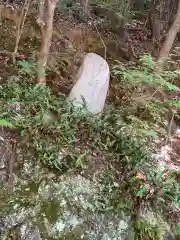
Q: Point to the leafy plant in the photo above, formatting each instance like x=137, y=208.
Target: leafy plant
x=178, y=228
x=145, y=73
x=5, y=123
x=150, y=90
x=145, y=230
x=63, y=138
x=27, y=67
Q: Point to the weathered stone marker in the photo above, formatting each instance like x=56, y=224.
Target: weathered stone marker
x=92, y=84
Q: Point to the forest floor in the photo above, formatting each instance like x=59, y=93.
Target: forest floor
x=72, y=176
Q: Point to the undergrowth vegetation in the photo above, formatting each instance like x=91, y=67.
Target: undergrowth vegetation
x=65, y=139
x=143, y=228
x=155, y=95
x=118, y=152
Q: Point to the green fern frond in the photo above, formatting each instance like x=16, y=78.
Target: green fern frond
x=5, y=123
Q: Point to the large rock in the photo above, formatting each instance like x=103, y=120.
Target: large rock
x=28, y=232
x=92, y=84
x=44, y=206
x=77, y=215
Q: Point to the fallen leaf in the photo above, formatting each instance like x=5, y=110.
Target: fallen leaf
x=140, y=175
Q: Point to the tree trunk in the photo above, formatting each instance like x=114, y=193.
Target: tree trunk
x=20, y=25
x=85, y=5
x=171, y=35
x=46, y=41
x=40, y=19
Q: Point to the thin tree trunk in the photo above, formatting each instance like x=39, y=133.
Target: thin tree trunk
x=20, y=25
x=46, y=42
x=171, y=35
x=85, y=5
x=40, y=19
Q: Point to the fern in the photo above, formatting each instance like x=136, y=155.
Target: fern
x=5, y=123
x=144, y=73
